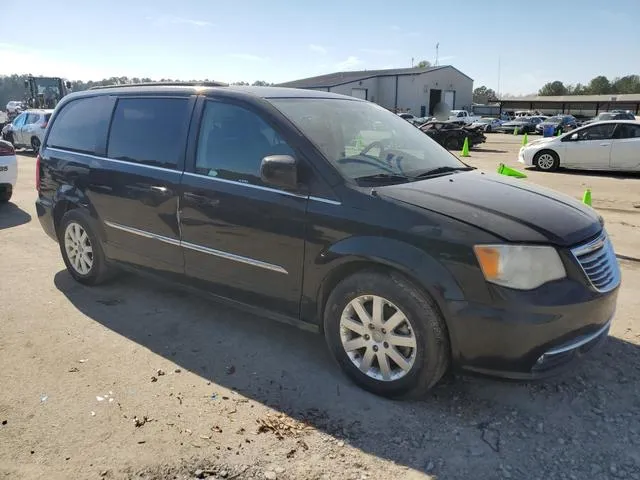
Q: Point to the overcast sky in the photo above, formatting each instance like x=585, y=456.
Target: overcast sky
x=278, y=40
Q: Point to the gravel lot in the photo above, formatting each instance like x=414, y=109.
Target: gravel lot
x=136, y=379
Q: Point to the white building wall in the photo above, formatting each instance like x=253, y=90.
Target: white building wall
x=413, y=91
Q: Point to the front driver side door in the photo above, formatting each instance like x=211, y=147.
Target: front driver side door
x=241, y=239
x=589, y=148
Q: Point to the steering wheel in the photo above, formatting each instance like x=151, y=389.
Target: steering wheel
x=377, y=143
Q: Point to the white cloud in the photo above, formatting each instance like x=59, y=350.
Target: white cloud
x=318, y=49
x=164, y=20
x=379, y=51
x=45, y=62
x=248, y=57
x=350, y=62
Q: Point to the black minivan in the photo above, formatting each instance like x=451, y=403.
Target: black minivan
x=333, y=213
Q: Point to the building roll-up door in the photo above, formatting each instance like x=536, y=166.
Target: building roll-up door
x=450, y=99
x=359, y=93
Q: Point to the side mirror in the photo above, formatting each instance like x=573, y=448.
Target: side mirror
x=280, y=171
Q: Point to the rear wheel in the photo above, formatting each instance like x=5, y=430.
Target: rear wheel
x=386, y=334
x=546, y=160
x=81, y=249
x=35, y=144
x=452, y=143
x=5, y=193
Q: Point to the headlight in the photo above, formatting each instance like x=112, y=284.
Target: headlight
x=522, y=267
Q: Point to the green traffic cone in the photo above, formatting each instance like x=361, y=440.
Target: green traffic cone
x=586, y=198
x=525, y=139
x=465, y=148
x=510, y=172
x=559, y=133
x=515, y=131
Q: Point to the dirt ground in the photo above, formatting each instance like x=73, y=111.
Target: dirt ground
x=136, y=379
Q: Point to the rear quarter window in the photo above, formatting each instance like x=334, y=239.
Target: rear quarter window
x=81, y=125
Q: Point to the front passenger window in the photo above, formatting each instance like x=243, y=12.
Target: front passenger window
x=233, y=141
x=597, y=132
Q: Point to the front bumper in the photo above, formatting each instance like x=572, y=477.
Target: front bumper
x=529, y=343
x=534, y=334
x=522, y=158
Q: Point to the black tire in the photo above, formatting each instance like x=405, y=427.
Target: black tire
x=488, y=129
x=5, y=193
x=100, y=271
x=452, y=143
x=541, y=161
x=431, y=356
x=9, y=138
x=35, y=144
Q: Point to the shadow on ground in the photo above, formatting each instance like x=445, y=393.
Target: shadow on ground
x=466, y=425
x=597, y=173
x=488, y=150
x=12, y=216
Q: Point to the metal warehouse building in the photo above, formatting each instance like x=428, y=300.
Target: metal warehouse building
x=417, y=90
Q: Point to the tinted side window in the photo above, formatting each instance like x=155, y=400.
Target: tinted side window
x=627, y=130
x=149, y=131
x=80, y=125
x=233, y=141
x=19, y=120
x=597, y=132
x=31, y=118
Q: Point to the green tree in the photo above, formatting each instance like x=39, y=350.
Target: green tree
x=484, y=95
x=599, y=85
x=423, y=64
x=626, y=84
x=553, y=88
x=261, y=83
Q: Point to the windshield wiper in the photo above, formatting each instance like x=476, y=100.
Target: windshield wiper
x=383, y=177
x=441, y=170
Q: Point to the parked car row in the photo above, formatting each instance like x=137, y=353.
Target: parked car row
x=608, y=145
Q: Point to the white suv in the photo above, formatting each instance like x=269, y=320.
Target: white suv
x=27, y=129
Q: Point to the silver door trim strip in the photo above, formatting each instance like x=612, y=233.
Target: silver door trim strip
x=126, y=162
x=198, y=248
x=143, y=233
x=234, y=257
x=265, y=189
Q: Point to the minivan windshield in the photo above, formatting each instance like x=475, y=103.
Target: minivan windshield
x=365, y=142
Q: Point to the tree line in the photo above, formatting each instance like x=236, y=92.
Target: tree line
x=599, y=85
x=12, y=86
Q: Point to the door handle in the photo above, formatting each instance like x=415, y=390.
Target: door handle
x=201, y=199
x=160, y=189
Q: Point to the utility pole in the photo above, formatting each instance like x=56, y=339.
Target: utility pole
x=437, y=47
x=411, y=62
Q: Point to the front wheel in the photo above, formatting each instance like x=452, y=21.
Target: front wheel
x=81, y=249
x=386, y=334
x=451, y=143
x=546, y=160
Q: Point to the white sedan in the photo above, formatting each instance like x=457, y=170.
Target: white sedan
x=8, y=171
x=611, y=145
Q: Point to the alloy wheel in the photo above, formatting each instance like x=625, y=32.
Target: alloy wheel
x=378, y=338
x=78, y=247
x=546, y=161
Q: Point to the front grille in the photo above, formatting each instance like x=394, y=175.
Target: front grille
x=599, y=263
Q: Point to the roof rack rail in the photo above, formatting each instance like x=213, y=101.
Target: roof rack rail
x=163, y=84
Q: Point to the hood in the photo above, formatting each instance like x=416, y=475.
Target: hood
x=514, y=210
x=555, y=124
x=541, y=141
x=514, y=123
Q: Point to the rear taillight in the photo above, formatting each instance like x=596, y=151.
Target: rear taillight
x=38, y=173
x=6, y=149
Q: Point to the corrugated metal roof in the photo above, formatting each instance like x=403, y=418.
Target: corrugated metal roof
x=622, y=98
x=340, y=78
